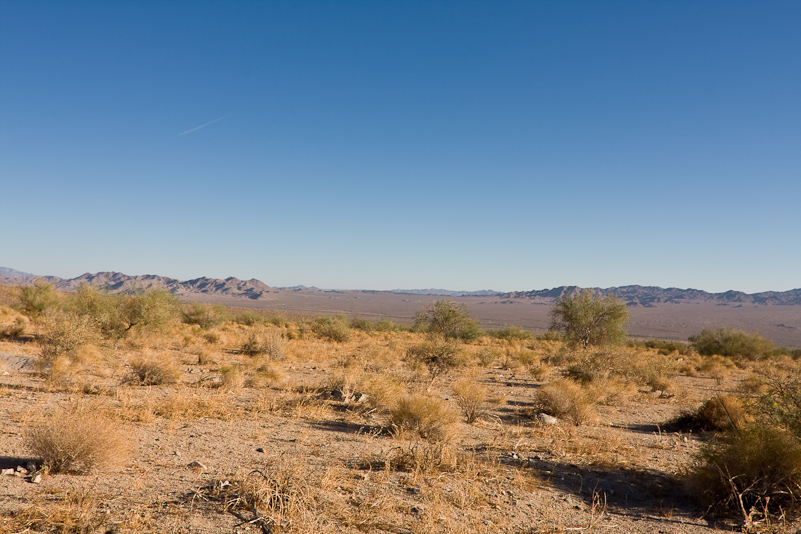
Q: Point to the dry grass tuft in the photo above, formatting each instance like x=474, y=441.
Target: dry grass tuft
x=565, y=399
x=77, y=441
x=471, y=397
x=151, y=371
x=75, y=511
x=278, y=494
x=427, y=416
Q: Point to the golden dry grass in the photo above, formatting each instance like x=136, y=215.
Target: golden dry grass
x=77, y=440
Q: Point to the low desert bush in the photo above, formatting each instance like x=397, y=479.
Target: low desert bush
x=470, y=397
x=151, y=371
x=488, y=355
x=510, y=333
x=665, y=347
x=565, y=399
x=12, y=323
x=437, y=354
x=231, y=377
x=61, y=332
x=719, y=413
x=429, y=417
x=78, y=441
x=332, y=328
x=419, y=457
x=204, y=315
x=734, y=344
x=281, y=492
x=270, y=344
x=269, y=374
x=780, y=401
x=752, y=472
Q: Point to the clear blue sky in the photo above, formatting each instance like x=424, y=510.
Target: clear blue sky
x=388, y=144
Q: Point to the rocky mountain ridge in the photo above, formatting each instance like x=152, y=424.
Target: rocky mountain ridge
x=253, y=289
x=114, y=282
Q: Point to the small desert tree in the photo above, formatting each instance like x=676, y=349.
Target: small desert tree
x=588, y=318
x=448, y=319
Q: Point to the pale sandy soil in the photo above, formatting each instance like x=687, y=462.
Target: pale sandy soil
x=618, y=473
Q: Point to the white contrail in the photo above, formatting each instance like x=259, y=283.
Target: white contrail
x=196, y=128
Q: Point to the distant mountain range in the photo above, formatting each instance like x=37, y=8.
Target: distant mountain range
x=118, y=283
x=253, y=289
x=651, y=295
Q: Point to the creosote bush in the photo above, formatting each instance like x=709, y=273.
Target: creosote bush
x=719, y=413
x=751, y=472
x=78, y=441
x=37, y=298
x=332, y=328
x=204, y=315
x=61, y=332
x=734, y=344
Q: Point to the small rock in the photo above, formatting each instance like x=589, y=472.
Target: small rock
x=8, y=471
x=31, y=467
x=21, y=471
x=177, y=453
x=37, y=478
x=546, y=419
x=260, y=449
x=362, y=398
x=197, y=465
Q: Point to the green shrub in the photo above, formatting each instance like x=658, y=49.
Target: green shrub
x=117, y=315
x=37, y=298
x=730, y=343
x=448, y=319
x=332, y=328
x=357, y=323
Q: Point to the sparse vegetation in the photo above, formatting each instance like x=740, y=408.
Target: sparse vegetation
x=426, y=415
x=336, y=424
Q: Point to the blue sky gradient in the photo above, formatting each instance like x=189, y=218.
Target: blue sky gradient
x=378, y=145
